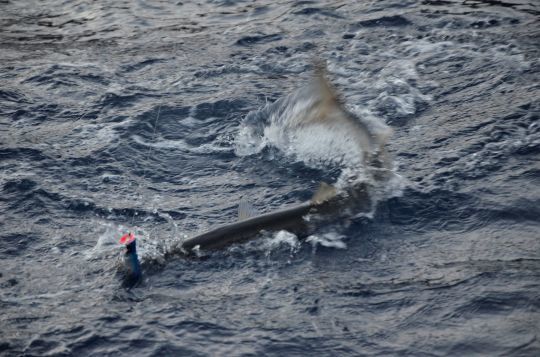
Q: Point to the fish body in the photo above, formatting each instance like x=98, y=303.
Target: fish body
x=326, y=204
x=290, y=219
x=321, y=107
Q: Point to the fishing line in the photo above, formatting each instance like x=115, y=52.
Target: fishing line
x=146, y=160
x=149, y=153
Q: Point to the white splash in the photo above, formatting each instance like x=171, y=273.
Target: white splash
x=311, y=125
x=282, y=238
x=329, y=240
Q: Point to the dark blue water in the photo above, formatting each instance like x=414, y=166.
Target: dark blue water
x=118, y=116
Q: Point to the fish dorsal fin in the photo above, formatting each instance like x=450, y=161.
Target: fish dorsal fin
x=324, y=193
x=246, y=210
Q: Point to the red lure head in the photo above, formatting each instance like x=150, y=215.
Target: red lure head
x=127, y=238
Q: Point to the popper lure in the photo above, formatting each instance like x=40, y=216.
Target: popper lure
x=131, y=261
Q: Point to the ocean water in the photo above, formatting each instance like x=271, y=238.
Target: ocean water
x=156, y=117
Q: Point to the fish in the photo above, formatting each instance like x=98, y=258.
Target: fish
x=326, y=205
x=325, y=108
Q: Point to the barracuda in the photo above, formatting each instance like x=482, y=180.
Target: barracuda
x=326, y=108
x=327, y=204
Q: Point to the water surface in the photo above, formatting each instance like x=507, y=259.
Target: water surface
x=130, y=116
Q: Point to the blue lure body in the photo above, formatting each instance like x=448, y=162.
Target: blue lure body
x=133, y=266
